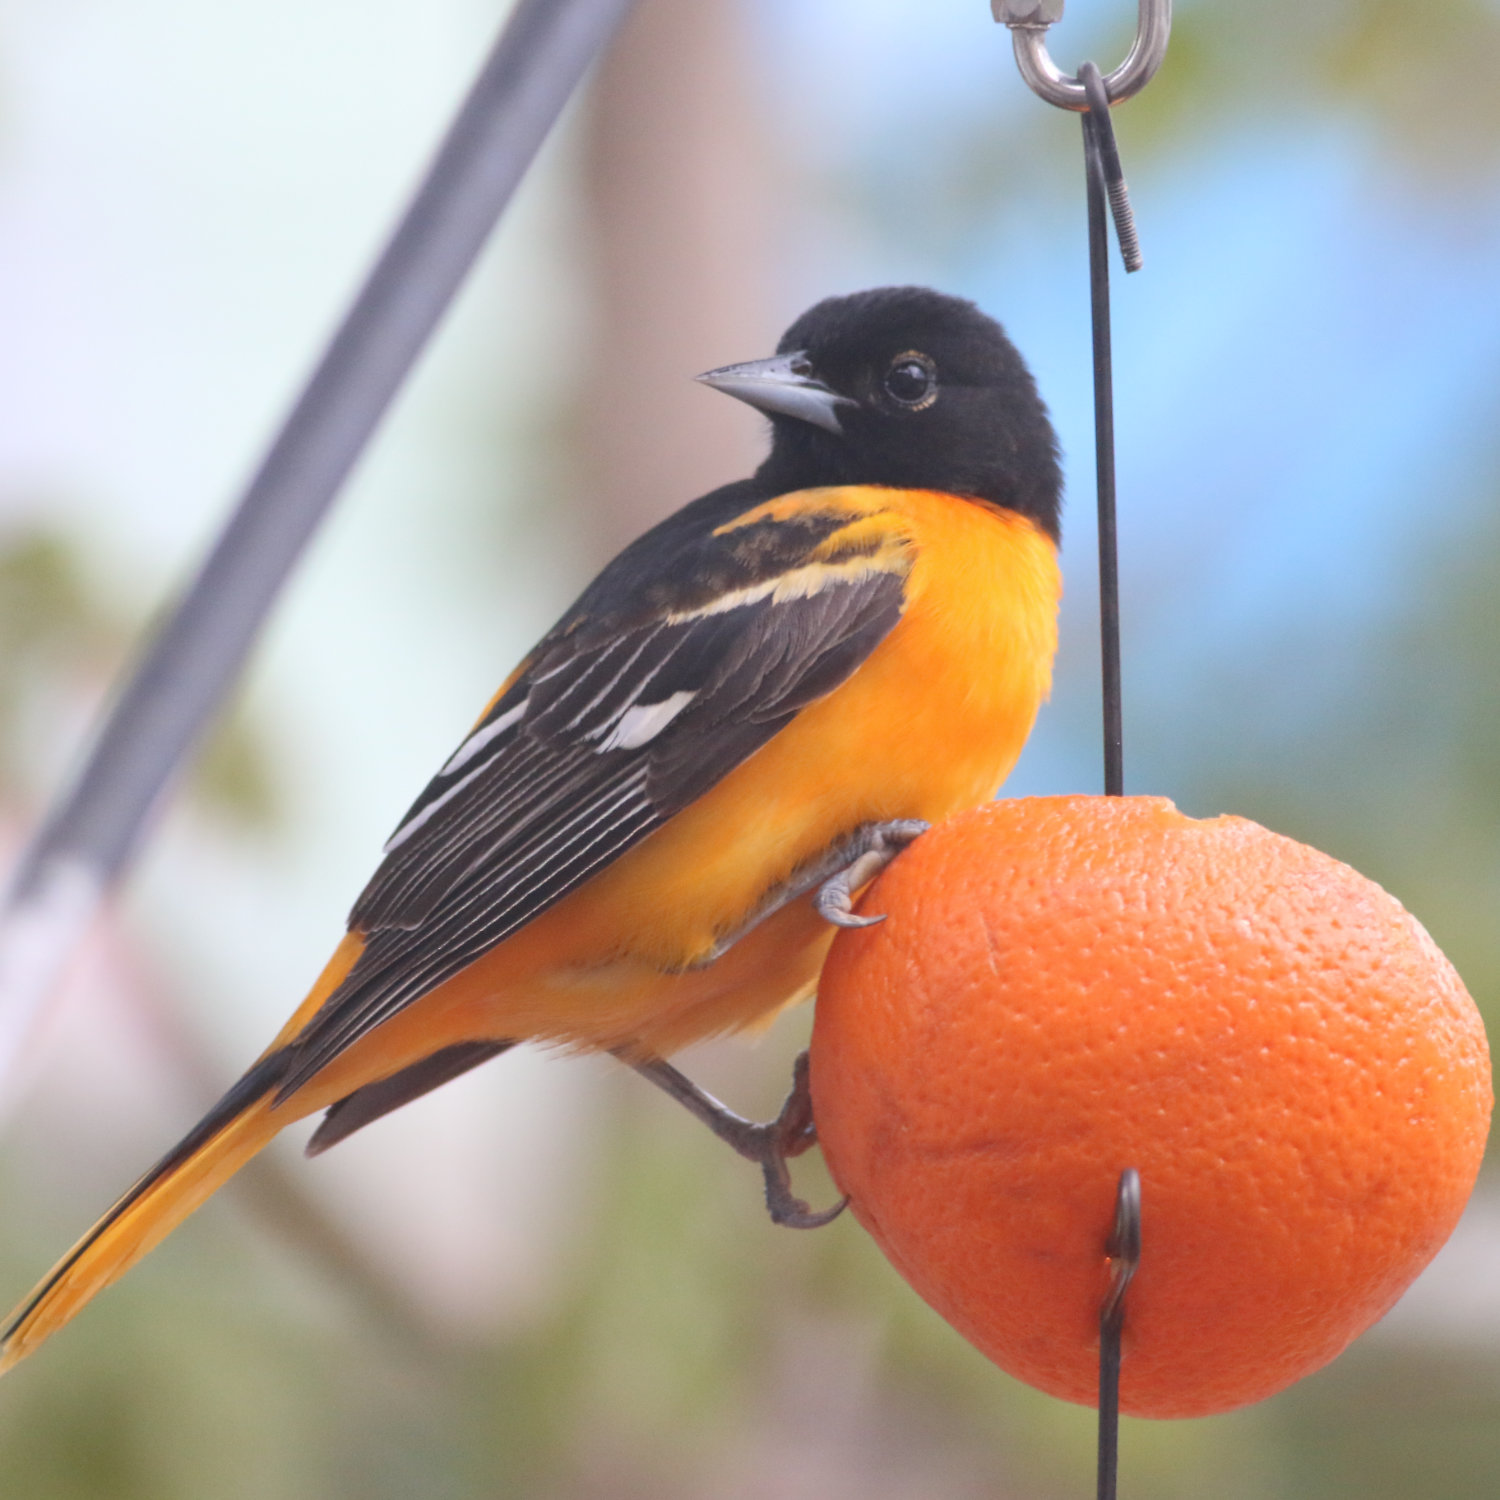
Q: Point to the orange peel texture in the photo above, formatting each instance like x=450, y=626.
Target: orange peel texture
x=1065, y=987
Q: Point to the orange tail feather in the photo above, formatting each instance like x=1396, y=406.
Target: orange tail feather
x=227, y=1137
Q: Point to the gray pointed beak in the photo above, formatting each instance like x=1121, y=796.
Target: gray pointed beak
x=783, y=385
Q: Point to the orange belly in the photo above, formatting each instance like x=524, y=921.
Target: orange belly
x=931, y=722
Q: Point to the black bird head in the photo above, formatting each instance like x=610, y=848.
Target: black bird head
x=904, y=387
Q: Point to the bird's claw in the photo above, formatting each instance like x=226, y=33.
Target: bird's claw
x=884, y=841
x=792, y=1213
x=835, y=900
x=771, y=1145
x=790, y=1134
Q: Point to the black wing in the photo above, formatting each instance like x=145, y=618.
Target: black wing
x=646, y=694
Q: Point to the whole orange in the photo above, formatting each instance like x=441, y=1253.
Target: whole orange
x=1068, y=986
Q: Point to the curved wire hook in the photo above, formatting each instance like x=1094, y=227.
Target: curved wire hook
x=1028, y=21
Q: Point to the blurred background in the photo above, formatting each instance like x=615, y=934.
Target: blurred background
x=544, y=1281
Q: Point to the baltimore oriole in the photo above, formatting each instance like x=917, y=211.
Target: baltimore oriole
x=646, y=836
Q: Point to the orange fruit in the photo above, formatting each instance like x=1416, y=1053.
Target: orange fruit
x=1068, y=986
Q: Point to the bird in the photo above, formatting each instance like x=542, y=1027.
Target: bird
x=656, y=827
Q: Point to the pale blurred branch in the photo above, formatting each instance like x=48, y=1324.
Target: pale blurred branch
x=163, y=706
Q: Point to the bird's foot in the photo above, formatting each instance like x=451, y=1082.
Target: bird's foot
x=771, y=1144
x=878, y=845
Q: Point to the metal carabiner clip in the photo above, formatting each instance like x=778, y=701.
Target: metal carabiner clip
x=1028, y=21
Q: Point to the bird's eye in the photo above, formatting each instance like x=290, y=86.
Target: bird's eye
x=912, y=381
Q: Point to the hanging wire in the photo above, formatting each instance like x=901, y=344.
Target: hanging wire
x=1092, y=93
x=1098, y=148
x=161, y=709
x=1100, y=128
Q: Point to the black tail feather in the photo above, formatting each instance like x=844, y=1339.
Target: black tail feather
x=356, y=1110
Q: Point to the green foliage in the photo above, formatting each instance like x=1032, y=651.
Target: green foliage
x=63, y=635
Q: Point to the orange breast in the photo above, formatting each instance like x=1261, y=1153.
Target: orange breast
x=931, y=722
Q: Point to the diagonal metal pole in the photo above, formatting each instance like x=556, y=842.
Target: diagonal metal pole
x=184, y=672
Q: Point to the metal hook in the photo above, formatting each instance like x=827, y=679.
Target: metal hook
x=1028, y=21
x=1123, y=1249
